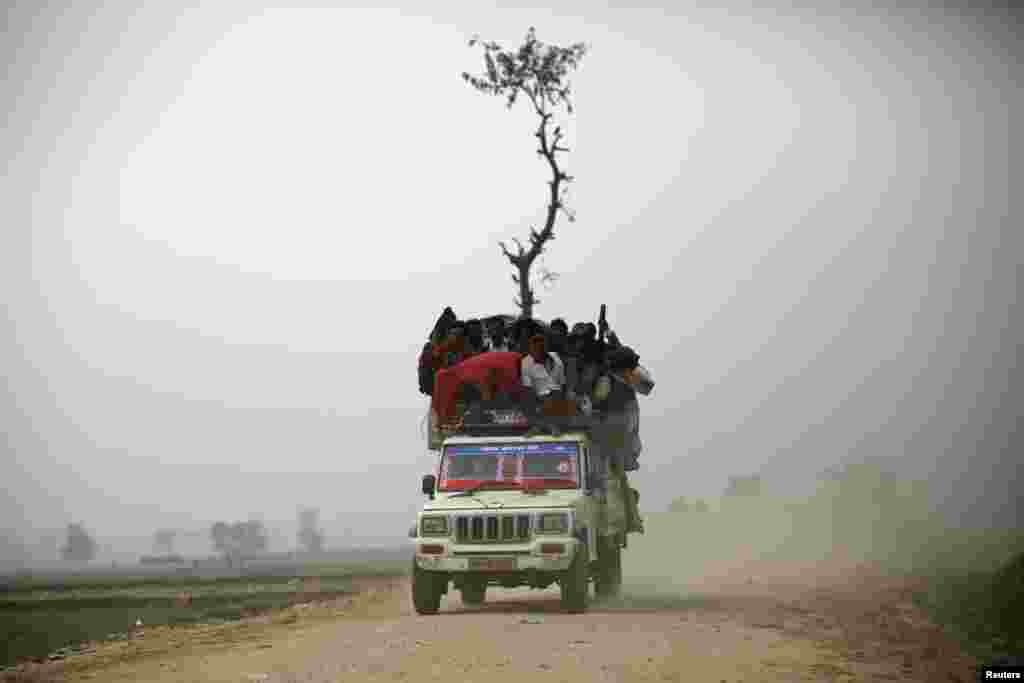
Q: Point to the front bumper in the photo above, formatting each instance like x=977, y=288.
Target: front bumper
x=527, y=558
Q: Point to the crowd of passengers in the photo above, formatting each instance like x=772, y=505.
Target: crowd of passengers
x=559, y=366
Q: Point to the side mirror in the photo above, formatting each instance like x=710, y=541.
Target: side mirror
x=412, y=531
x=429, y=482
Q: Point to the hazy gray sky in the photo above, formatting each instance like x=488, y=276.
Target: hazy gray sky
x=227, y=230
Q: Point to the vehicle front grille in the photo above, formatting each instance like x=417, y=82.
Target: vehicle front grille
x=507, y=528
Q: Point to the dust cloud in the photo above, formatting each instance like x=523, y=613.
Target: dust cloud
x=857, y=520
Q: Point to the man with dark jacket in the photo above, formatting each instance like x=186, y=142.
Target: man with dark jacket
x=558, y=337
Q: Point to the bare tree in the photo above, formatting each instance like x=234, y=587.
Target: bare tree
x=311, y=537
x=80, y=546
x=539, y=73
x=163, y=541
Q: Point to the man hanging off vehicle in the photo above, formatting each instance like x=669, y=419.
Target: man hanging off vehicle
x=616, y=436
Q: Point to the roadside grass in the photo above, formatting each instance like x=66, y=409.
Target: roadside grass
x=254, y=574
x=43, y=615
x=985, y=609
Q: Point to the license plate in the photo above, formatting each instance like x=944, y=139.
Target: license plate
x=493, y=564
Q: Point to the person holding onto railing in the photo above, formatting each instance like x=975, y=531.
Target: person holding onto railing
x=617, y=437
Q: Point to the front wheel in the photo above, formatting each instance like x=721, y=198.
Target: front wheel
x=574, y=583
x=427, y=588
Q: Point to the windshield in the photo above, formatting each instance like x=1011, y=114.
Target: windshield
x=510, y=466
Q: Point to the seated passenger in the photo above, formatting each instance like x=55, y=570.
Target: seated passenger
x=542, y=371
x=496, y=332
x=543, y=376
x=474, y=337
x=523, y=330
x=453, y=349
x=519, y=336
x=558, y=337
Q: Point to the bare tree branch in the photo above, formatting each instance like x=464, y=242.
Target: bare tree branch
x=540, y=72
x=513, y=259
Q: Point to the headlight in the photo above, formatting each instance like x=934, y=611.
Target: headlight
x=434, y=526
x=553, y=524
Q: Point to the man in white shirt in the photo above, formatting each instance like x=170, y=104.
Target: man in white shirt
x=544, y=375
x=542, y=371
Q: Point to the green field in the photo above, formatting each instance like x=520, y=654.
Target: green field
x=41, y=614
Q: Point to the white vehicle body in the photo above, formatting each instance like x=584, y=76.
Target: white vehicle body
x=517, y=527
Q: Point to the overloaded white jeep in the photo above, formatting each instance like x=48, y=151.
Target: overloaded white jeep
x=518, y=510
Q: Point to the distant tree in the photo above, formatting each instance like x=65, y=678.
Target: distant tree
x=163, y=541
x=80, y=546
x=700, y=506
x=240, y=538
x=539, y=73
x=311, y=537
x=744, y=486
x=220, y=534
x=679, y=505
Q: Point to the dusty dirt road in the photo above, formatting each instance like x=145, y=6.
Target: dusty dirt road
x=838, y=625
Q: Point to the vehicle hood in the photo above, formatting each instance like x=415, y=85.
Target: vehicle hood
x=497, y=501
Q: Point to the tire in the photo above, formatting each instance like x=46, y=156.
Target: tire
x=474, y=593
x=574, y=583
x=609, y=562
x=427, y=589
